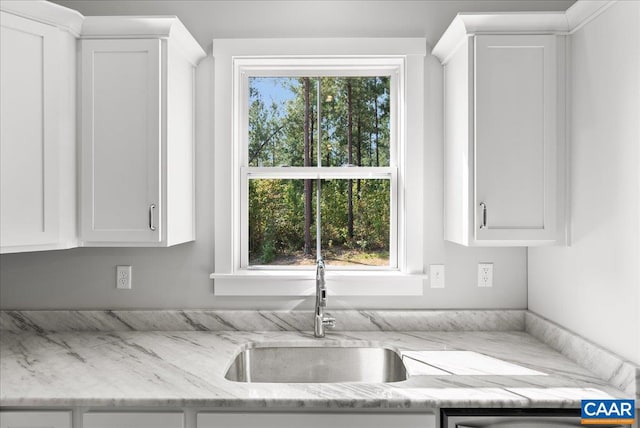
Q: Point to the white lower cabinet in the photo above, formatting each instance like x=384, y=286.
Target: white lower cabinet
x=133, y=420
x=35, y=419
x=313, y=420
x=176, y=419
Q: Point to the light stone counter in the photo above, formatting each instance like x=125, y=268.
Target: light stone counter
x=186, y=368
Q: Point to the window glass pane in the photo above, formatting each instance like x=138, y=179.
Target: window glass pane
x=356, y=236
x=281, y=109
x=277, y=222
x=355, y=123
x=356, y=223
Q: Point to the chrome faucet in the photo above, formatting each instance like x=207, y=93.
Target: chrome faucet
x=320, y=321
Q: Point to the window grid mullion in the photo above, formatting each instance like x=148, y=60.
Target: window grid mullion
x=312, y=172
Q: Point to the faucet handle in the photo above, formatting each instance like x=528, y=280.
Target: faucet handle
x=329, y=322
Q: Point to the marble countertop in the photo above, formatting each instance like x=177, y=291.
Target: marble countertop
x=187, y=368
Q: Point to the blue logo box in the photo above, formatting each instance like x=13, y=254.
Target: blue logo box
x=608, y=411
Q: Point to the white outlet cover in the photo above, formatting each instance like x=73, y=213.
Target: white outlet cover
x=123, y=277
x=436, y=274
x=485, y=274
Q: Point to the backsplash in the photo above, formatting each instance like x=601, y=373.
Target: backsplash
x=208, y=320
x=606, y=365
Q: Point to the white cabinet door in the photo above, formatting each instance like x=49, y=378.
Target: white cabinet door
x=313, y=420
x=35, y=419
x=121, y=183
x=133, y=420
x=515, y=137
x=28, y=133
x=37, y=127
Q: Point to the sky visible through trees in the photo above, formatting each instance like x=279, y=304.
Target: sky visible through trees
x=354, y=131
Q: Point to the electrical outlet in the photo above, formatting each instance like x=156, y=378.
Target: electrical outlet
x=436, y=273
x=123, y=277
x=485, y=274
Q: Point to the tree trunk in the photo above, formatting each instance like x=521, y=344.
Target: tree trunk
x=312, y=122
x=349, y=159
x=359, y=150
x=375, y=103
x=307, y=162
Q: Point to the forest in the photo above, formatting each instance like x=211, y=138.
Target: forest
x=354, y=132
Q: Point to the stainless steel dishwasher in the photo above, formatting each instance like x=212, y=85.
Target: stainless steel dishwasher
x=515, y=418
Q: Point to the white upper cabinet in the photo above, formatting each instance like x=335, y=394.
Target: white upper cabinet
x=504, y=124
x=37, y=126
x=135, y=180
x=137, y=138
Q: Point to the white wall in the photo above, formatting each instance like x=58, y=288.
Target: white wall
x=177, y=277
x=593, y=286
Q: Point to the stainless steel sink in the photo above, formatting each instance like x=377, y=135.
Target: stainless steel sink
x=317, y=365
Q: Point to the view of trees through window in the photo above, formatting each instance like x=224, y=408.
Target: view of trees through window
x=354, y=132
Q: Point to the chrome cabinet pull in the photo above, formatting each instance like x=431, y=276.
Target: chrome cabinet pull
x=152, y=225
x=483, y=225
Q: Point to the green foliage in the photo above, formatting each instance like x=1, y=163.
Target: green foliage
x=276, y=210
x=276, y=135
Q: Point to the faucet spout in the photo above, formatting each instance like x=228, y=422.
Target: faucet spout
x=320, y=320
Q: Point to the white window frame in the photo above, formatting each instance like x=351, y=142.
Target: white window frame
x=245, y=68
x=237, y=59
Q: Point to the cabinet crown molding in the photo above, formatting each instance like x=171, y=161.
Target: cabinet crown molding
x=111, y=27
x=143, y=27
x=584, y=11
x=468, y=24
x=47, y=13
x=560, y=23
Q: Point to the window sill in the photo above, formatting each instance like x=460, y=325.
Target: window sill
x=302, y=283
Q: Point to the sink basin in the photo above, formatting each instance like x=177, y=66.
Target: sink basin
x=317, y=365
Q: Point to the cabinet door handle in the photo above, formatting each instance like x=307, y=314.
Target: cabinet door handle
x=152, y=224
x=483, y=224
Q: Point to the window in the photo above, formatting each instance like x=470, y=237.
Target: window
x=318, y=164
x=314, y=154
